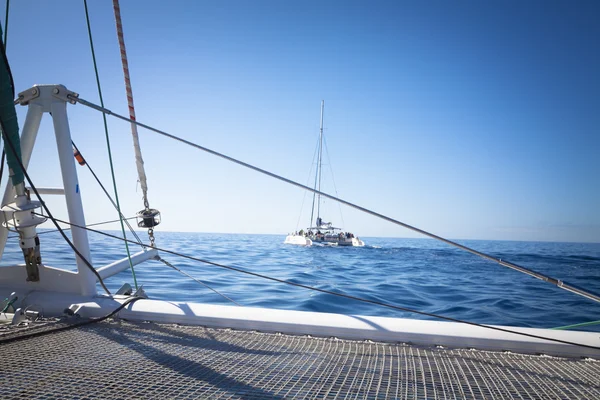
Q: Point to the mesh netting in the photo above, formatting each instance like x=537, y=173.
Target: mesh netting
x=125, y=360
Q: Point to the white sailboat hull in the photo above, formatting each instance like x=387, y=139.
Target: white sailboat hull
x=319, y=231
x=332, y=240
x=337, y=241
x=297, y=240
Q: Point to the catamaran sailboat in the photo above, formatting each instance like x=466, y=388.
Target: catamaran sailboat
x=60, y=337
x=320, y=231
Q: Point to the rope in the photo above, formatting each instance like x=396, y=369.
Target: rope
x=26, y=175
x=9, y=303
x=2, y=159
x=5, y=41
x=559, y=283
x=54, y=220
x=346, y=296
x=139, y=161
x=112, y=170
x=72, y=326
x=136, y=140
x=168, y=264
x=6, y=24
x=577, y=325
x=108, y=195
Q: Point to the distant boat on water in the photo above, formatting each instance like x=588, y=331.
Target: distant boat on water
x=319, y=231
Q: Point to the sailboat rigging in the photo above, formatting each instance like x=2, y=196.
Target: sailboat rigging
x=320, y=231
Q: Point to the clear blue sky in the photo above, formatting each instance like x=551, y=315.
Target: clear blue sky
x=470, y=119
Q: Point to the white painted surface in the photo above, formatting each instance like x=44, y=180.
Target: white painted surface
x=87, y=280
x=123, y=264
x=14, y=278
x=357, y=327
x=297, y=240
x=49, y=191
x=28, y=136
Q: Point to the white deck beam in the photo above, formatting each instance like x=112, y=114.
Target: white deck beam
x=121, y=265
x=355, y=327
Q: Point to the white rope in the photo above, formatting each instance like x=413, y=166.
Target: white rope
x=139, y=161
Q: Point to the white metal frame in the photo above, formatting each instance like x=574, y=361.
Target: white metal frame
x=53, y=99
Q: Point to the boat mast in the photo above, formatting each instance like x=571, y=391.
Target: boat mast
x=319, y=167
x=318, y=173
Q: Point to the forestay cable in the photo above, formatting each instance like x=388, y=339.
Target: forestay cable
x=557, y=282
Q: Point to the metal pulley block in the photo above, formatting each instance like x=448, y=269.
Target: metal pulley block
x=148, y=218
x=19, y=214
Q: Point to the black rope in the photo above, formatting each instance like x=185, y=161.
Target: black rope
x=12, y=84
x=54, y=220
x=14, y=151
x=2, y=165
x=347, y=296
x=66, y=229
x=71, y=326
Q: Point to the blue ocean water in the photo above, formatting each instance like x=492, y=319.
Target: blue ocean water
x=416, y=273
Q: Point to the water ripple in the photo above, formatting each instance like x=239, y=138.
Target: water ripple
x=413, y=273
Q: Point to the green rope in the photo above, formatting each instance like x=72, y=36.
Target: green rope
x=3, y=157
x=8, y=304
x=577, y=325
x=6, y=23
x=112, y=170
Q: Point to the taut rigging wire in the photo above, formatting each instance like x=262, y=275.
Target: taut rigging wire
x=121, y=216
x=347, y=296
x=112, y=170
x=535, y=274
x=66, y=229
x=139, y=241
